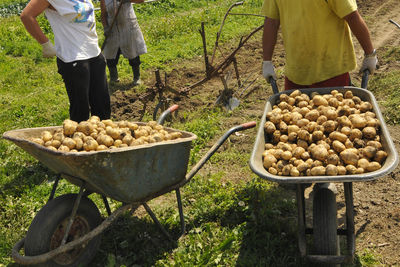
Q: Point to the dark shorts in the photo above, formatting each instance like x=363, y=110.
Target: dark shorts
x=87, y=88
x=340, y=80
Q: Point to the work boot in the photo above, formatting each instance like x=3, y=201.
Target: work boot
x=136, y=75
x=113, y=74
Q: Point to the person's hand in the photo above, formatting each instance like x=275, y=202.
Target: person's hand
x=370, y=62
x=48, y=49
x=268, y=70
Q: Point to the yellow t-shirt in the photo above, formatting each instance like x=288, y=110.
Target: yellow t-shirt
x=317, y=39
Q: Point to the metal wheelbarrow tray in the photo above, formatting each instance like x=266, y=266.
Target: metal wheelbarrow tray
x=325, y=229
x=124, y=174
x=256, y=161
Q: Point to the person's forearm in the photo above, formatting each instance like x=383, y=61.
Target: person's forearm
x=269, y=37
x=360, y=31
x=28, y=18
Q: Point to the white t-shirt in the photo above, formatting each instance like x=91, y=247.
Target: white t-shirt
x=74, y=26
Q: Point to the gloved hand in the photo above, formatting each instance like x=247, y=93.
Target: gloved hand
x=370, y=63
x=268, y=70
x=48, y=49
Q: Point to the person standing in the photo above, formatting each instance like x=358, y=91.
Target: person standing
x=79, y=58
x=318, y=45
x=123, y=36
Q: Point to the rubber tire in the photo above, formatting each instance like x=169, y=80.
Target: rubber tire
x=45, y=223
x=326, y=240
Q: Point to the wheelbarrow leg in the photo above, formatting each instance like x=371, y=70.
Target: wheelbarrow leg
x=348, y=193
x=301, y=219
x=105, y=201
x=180, y=207
x=72, y=217
x=53, y=190
x=156, y=221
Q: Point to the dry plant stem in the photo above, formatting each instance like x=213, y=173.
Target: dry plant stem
x=220, y=29
x=203, y=37
x=224, y=64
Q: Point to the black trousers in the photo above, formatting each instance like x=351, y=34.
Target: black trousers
x=87, y=88
x=113, y=62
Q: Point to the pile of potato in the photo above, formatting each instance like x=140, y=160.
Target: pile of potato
x=96, y=135
x=330, y=134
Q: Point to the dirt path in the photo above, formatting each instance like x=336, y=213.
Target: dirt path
x=377, y=203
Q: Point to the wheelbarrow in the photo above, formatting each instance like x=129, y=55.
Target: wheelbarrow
x=66, y=231
x=325, y=230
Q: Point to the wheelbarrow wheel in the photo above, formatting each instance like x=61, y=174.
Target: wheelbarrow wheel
x=325, y=223
x=47, y=231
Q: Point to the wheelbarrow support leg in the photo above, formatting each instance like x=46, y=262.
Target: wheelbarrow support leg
x=156, y=221
x=301, y=219
x=53, y=190
x=73, y=214
x=180, y=208
x=348, y=192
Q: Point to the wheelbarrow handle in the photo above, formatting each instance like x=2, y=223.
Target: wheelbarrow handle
x=272, y=81
x=364, y=80
x=166, y=113
x=214, y=148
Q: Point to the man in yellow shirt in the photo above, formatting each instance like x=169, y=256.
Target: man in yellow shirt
x=317, y=40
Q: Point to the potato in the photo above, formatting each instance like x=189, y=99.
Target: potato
x=269, y=127
x=268, y=161
x=38, y=141
x=101, y=148
x=369, y=152
x=46, y=136
x=69, y=142
x=380, y=156
x=319, y=100
x=348, y=156
x=373, y=166
x=272, y=170
x=358, y=121
x=318, y=171
x=90, y=145
x=85, y=127
x=313, y=115
x=63, y=148
x=341, y=170
x=369, y=132
x=338, y=146
x=319, y=152
x=78, y=143
x=294, y=172
x=365, y=106
x=355, y=134
x=363, y=163
x=331, y=170
x=69, y=127
x=338, y=136
x=333, y=159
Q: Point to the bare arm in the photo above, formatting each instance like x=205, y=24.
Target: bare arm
x=269, y=37
x=28, y=17
x=360, y=30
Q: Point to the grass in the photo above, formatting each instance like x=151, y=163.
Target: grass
x=249, y=222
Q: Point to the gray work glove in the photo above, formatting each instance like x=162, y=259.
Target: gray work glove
x=268, y=70
x=370, y=62
x=48, y=49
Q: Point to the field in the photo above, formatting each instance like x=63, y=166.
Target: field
x=232, y=217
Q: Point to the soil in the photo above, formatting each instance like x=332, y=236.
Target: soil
x=376, y=203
